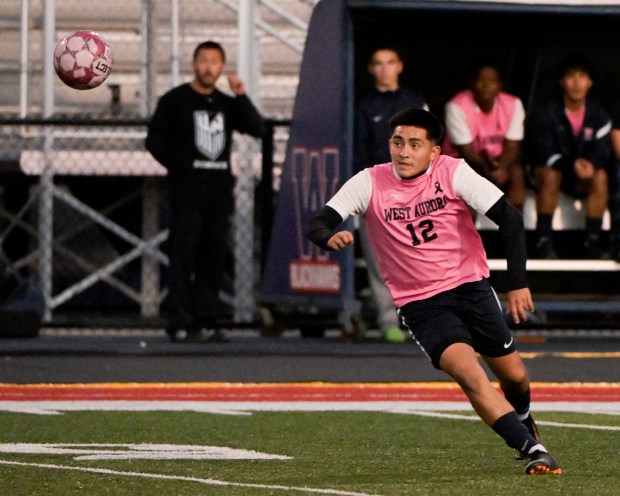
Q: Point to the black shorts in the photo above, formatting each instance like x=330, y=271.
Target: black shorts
x=470, y=313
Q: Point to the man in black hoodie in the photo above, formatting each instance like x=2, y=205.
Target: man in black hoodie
x=190, y=134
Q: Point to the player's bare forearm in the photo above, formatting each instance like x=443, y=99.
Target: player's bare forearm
x=340, y=240
x=518, y=302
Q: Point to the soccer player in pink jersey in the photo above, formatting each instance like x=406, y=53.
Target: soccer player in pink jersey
x=432, y=259
x=485, y=126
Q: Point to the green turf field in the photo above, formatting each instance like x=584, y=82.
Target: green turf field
x=341, y=453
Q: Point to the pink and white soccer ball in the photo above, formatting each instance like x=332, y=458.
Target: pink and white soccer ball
x=83, y=59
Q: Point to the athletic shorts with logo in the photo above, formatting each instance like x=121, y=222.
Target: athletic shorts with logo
x=470, y=313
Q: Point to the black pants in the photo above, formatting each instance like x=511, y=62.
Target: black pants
x=198, y=249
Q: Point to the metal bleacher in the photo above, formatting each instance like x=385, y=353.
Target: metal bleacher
x=281, y=30
x=568, y=292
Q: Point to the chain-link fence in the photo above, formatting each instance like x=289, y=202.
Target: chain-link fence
x=82, y=213
x=83, y=219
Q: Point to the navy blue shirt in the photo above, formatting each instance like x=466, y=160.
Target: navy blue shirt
x=372, y=132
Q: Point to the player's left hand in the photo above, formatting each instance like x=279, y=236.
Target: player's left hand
x=340, y=240
x=518, y=302
x=236, y=85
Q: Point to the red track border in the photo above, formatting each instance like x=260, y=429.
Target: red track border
x=290, y=392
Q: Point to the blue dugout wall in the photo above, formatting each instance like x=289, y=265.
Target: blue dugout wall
x=297, y=273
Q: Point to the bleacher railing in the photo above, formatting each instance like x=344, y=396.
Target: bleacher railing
x=82, y=210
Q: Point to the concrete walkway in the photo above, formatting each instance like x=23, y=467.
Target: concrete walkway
x=104, y=355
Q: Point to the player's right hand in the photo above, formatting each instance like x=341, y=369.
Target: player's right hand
x=340, y=240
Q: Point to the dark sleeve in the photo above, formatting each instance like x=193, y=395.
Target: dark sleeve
x=512, y=237
x=321, y=227
x=249, y=120
x=602, y=152
x=545, y=137
x=159, y=134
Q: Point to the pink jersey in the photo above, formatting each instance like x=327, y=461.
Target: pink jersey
x=422, y=232
x=576, y=119
x=466, y=123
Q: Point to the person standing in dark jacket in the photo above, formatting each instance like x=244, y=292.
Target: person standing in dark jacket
x=372, y=133
x=569, y=148
x=190, y=134
x=376, y=107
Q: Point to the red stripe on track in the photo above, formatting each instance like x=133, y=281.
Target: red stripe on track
x=316, y=392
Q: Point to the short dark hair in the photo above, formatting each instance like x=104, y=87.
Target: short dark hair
x=390, y=48
x=212, y=45
x=473, y=71
x=419, y=118
x=575, y=62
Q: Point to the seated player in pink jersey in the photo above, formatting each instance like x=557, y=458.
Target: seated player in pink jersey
x=430, y=254
x=484, y=125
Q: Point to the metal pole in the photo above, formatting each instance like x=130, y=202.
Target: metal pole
x=247, y=63
x=244, y=302
x=150, y=280
x=46, y=180
x=23, y=63
x=145, y=58
x=49, y=44
x=174, y=43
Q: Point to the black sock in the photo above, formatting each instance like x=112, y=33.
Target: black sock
x=593, y=229
x=544, y=228
x=520, y=401
x=516, y=435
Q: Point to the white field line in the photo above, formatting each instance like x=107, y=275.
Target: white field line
x=424, y=408
x=247, y=407
x=212, y=482
x=138, y=451
x=539, y=422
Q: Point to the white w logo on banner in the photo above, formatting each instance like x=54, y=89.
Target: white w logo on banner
x=314, y=179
